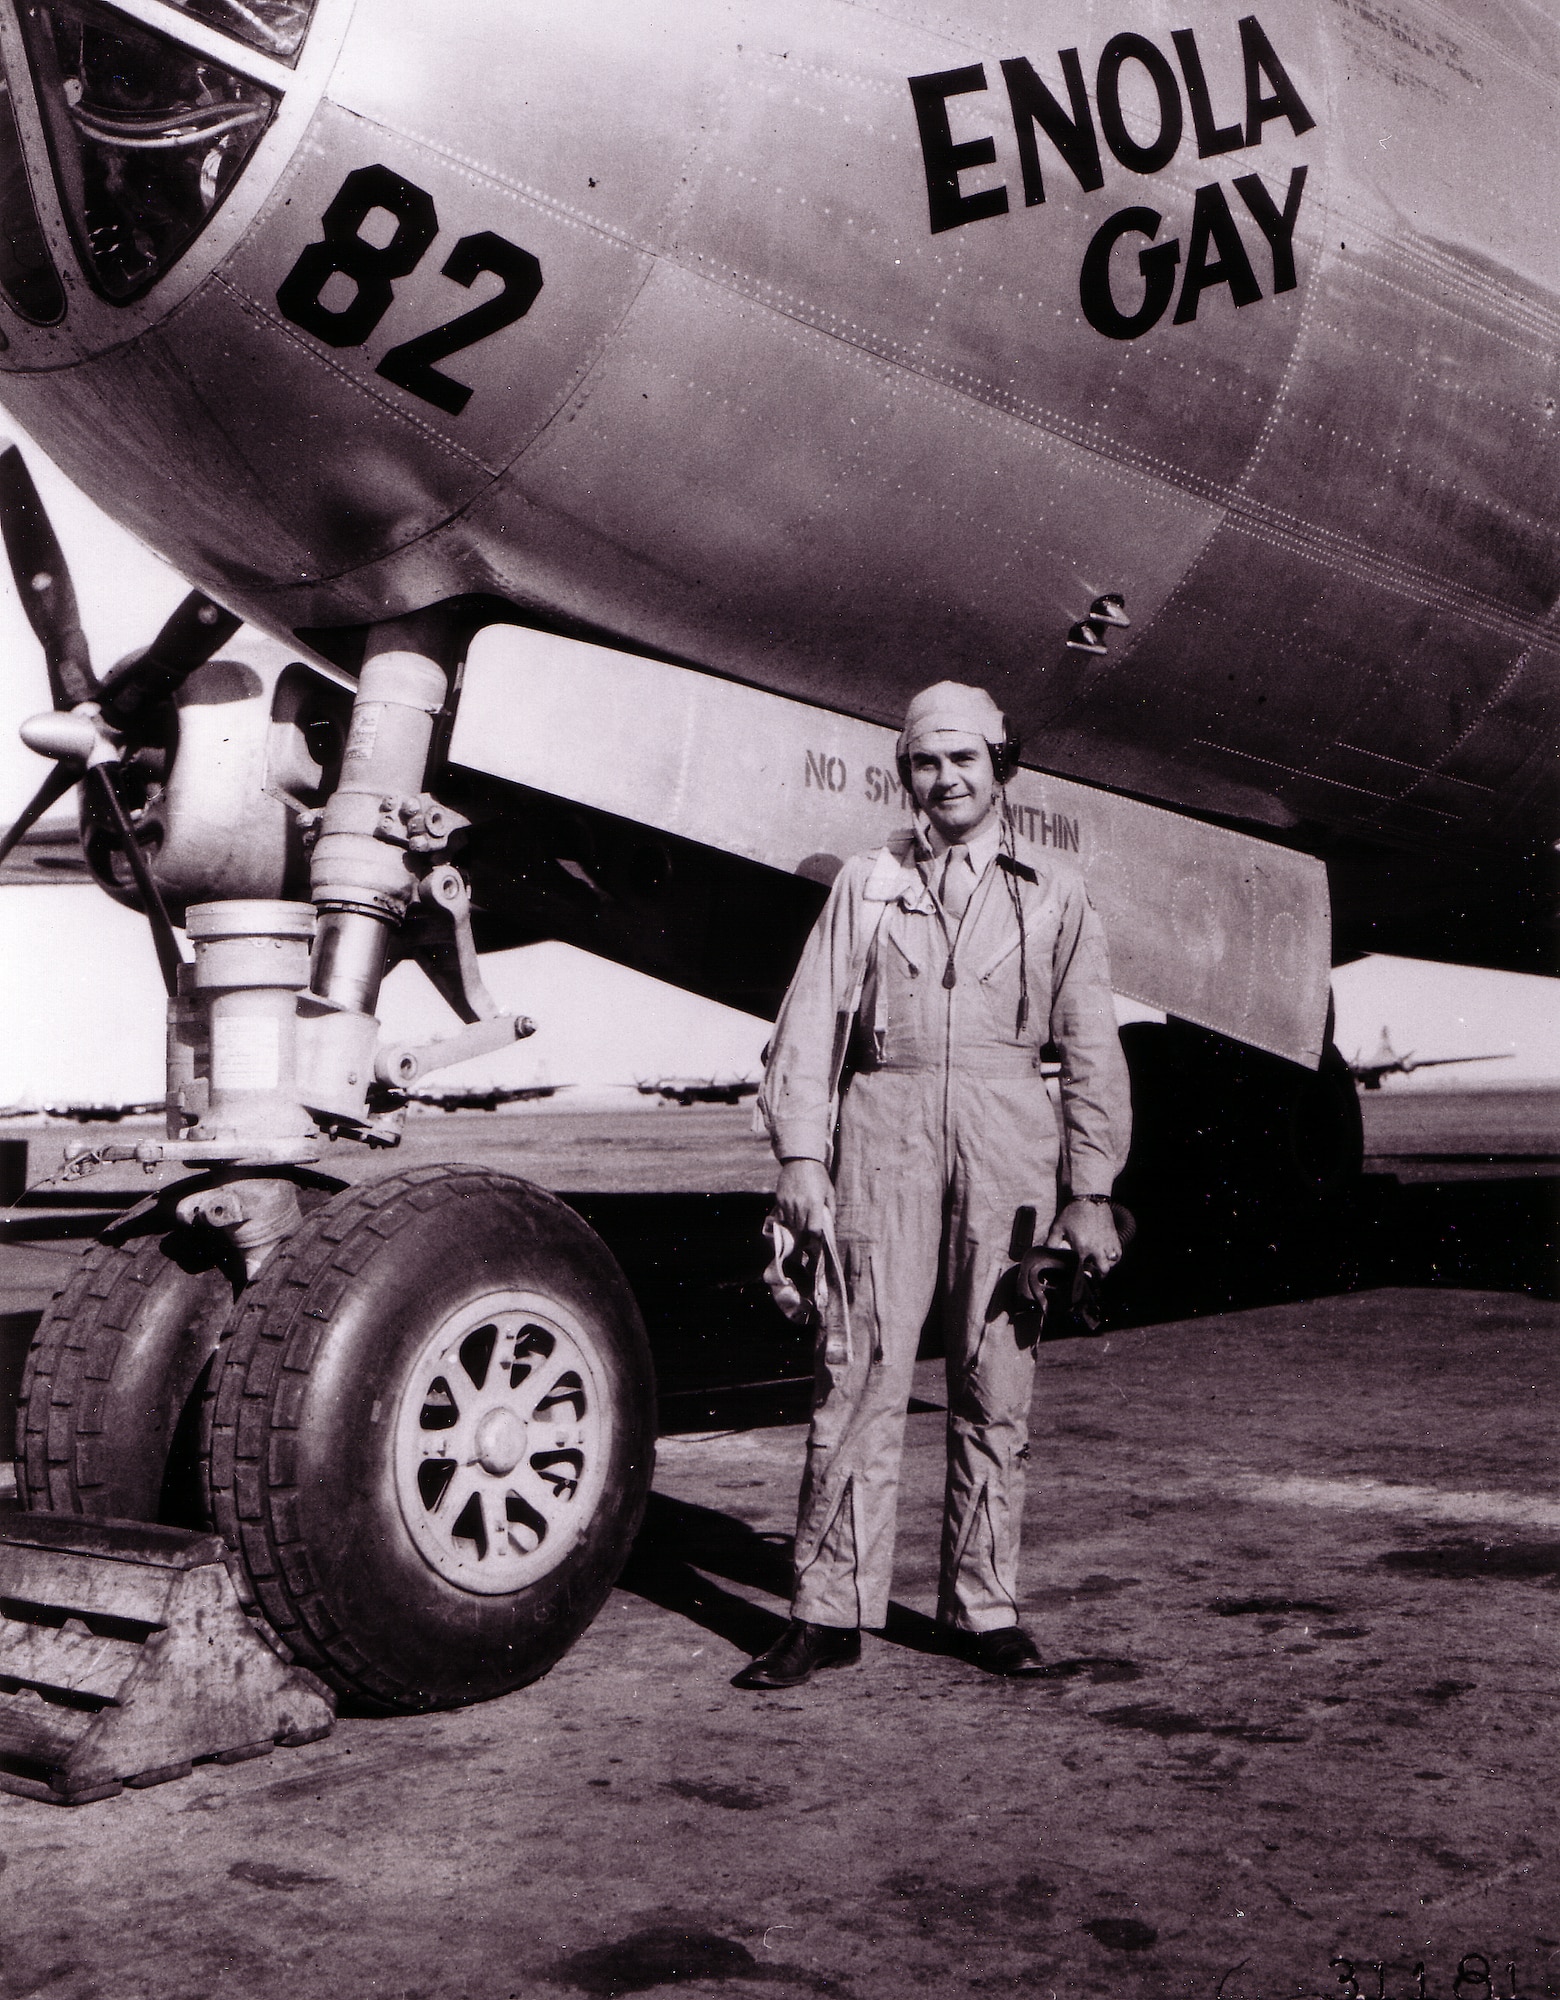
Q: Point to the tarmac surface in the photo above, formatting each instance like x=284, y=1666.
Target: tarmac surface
x=1293, y=1563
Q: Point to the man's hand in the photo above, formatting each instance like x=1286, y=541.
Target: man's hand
x=804, y=1198
x=1089, y=1228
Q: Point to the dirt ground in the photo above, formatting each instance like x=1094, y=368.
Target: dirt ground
x=1295, y=1571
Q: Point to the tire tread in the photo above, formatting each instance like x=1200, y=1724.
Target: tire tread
x=255, y=1397
x=74, y=1345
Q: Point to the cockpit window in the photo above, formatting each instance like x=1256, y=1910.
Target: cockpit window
x=276, y=27
x=147, y=137
x=27, y=274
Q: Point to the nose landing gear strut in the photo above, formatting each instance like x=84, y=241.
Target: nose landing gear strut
x=419, y=1411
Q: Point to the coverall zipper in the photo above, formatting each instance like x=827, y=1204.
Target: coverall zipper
x=950, y=982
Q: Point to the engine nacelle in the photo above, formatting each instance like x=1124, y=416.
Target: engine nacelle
x=253, y=737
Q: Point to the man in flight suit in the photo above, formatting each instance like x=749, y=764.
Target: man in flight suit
x=907, y=1059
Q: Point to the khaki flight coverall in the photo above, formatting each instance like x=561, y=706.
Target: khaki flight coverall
x=929, y=1105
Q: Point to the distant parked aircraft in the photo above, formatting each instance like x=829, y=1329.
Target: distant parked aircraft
x=483, y=1097
x=700, y=1090
x=1387, y=1062
x=48, y=853
x=87, y=1114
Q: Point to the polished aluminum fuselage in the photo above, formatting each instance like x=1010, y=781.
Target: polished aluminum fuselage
x=762, y=419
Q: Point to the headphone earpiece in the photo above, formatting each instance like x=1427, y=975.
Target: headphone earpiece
x=1004, y=757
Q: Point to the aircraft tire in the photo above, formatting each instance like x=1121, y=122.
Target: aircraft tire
x=107, y=1422
x=430, y=1435
x=1326, y=1130
x=1245, y=1171
x=1210, y=1114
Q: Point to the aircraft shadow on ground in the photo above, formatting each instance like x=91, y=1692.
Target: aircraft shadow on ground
x=723, y=1349
x=683, y=1547
x=727, y=1359
x=1469, y=1235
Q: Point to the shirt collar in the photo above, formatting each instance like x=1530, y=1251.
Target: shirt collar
x=982, y=848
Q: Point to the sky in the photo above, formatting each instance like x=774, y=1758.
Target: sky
x=81, y=1003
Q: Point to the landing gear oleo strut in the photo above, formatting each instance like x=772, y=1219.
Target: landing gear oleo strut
x=419, y=1412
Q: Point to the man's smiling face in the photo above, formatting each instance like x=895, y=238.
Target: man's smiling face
x=953, y=783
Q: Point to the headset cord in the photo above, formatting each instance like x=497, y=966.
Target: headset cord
x=1015, y=895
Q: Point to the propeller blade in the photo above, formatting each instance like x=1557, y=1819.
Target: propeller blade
x=43, y=583
x=147, y=680
x=54, y=786
x=169, y=957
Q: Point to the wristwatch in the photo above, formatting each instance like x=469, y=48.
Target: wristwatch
x=1103, y=1199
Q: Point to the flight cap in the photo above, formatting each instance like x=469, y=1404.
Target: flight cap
x=948, y=707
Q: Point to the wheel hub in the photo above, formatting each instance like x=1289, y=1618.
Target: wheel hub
x=500, y=1442
x=503, y=1435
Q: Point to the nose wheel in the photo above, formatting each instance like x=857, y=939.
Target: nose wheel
x=503, y=1442
x=106, y=1422
x=429, y=1435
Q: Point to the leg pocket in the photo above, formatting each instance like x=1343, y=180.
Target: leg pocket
x=865, y=1333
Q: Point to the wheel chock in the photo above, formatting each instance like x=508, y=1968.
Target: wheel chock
x=126, y=1657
